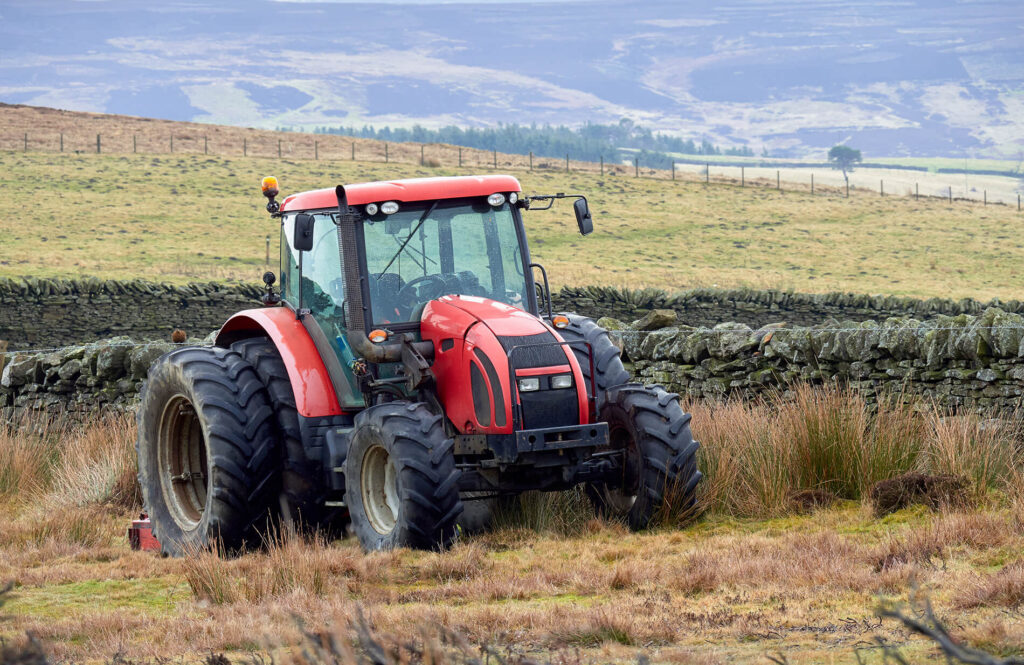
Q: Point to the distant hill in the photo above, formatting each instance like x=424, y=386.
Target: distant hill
x=920, y=78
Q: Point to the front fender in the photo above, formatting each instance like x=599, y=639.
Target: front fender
x=311, y=382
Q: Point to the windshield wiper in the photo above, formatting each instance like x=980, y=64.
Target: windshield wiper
x=411, y=234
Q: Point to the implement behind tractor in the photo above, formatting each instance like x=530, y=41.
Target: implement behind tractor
x=409, y=367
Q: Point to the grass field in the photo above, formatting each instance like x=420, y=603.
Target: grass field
x=194, y=217
x=757, y=575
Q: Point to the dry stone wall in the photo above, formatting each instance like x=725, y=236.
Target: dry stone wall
x=964, y=361
x=37, y=313
x=77, y=380
x=755, y=308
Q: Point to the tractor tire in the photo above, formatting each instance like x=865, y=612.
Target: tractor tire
x=608, y=368
x=401, y=484
x=661, y=457
x=303, y=488
x=208, y=463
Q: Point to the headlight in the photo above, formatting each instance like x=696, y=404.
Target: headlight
x=389, y=207
x=529, y=384
x=561, y=381
x=371, y=209
x=513, y=197
x=496, y=199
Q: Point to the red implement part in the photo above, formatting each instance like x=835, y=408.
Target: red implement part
x=140, y=535
x=418, y=189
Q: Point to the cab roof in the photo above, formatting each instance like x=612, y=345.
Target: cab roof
x=414, y=189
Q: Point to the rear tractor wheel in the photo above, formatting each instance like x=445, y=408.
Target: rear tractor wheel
x=401, y=484
x=206, y=451
x=659, y=473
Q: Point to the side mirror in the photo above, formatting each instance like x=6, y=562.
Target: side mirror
x=302, y=238
x=583, y=218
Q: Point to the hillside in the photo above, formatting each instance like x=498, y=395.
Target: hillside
x=192, y=217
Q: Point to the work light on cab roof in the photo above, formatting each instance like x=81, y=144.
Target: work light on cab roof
x=270, y=190
x=408, y=363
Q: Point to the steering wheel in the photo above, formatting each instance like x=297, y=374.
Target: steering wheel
x=410, y=293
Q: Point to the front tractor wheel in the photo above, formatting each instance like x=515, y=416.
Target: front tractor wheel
x=401, y=484
x=659, y=470
x=207, y=463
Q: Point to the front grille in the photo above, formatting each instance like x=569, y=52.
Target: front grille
x=550, y=408
x=528, y=356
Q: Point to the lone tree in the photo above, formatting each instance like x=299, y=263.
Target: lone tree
x=843, y=158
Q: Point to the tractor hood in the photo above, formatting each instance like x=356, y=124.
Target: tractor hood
x=503, y=320
x=480, y=345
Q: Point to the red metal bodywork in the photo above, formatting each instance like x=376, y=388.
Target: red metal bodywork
x=470, y=323
x=314, y=393
x=419, y=189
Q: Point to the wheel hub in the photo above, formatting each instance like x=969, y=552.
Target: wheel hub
x=379, y=485
x=182, y=458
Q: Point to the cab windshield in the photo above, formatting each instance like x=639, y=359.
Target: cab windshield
x=431, y=249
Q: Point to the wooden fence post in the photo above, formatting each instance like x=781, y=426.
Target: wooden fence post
x=778, y=181
x=97, y=144
x=602, y=164
x=245, y=146
x=494, y=154
x=206, y=145
x=985, y=194
x=316, y=149
x=386, y=157
x=917, y=191
x=62, y=141
x=707, y=173
x=847, y=188
x=135, y=144
x=172, y=143
x=460, y=157
x=743, y=176
x=279, y=148
x=26, y=141
x=881, y=188
x=531, y=160
x=951, y=193
x=421, y=154
x=268, y=251
x=353, y=151
x=673, y=170
x=812, y=184
x=636, y=167
x=566, y=162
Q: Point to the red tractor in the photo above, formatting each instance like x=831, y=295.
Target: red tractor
x=410, y=365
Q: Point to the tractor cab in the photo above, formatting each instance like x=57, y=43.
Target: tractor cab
x=408, y=247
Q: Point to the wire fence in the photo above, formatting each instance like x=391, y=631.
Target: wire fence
x=971, y=188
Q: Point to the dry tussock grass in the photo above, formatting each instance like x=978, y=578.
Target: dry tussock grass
x=1004, y=589
x=756, y=456
x=552, y=577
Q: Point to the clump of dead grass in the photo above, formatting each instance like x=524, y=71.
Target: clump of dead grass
x=1003, y=589
x=757, y=456
x=567, y=513
x=57, y=463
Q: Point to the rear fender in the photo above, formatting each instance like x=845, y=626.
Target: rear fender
x=311, y=382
